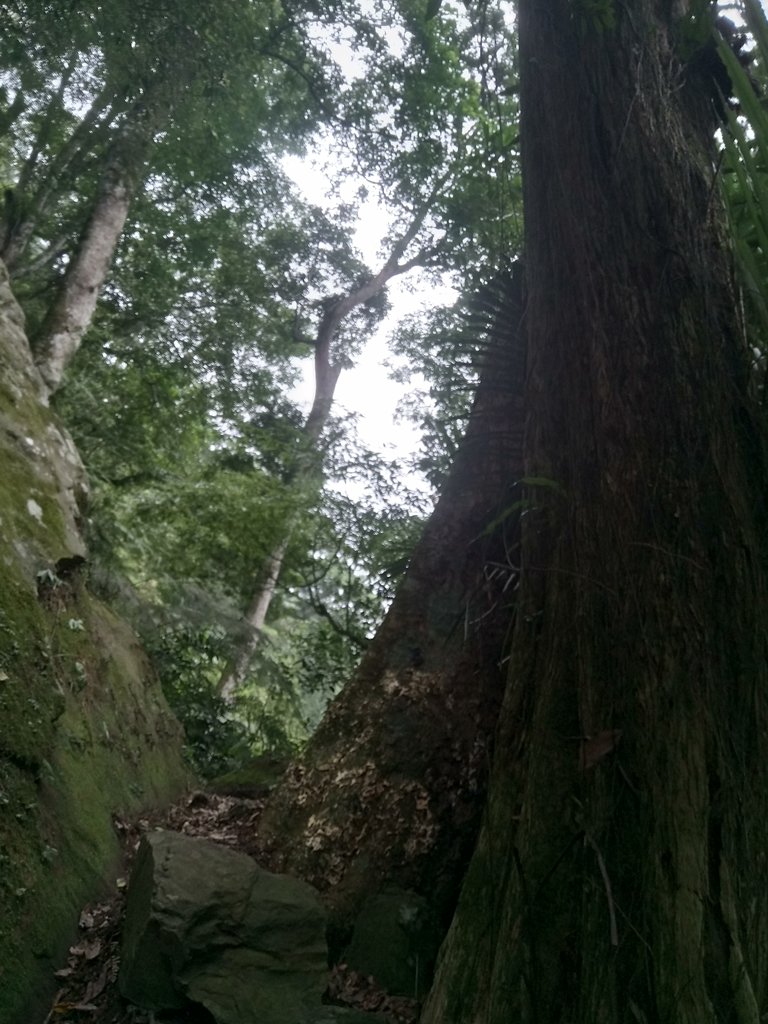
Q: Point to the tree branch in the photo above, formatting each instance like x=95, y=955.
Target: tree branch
x=12, y=112
x=82, y=139
x=356, y=638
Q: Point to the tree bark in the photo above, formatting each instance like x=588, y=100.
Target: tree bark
x=71, y=313
x=236, y=670
x=392, y=782
x=621, y=871
x=30, y=204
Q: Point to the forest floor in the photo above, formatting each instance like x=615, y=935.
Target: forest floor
x=88, y=991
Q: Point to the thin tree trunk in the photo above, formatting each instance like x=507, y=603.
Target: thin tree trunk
x=327, y=370
x=326, y=377
x=71, y=313
x=236, y=670
x=621, y=874
x=391, y=784
x=16, y=229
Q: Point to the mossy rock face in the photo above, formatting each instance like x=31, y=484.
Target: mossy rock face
x=84, y=731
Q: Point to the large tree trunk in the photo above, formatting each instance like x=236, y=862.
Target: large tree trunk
x=621, y=870
x=392, y=783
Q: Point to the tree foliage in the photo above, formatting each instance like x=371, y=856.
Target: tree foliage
x=180, y=396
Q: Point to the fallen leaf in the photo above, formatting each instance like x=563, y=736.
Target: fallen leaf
x=595, y=748
x=89, y=949
x=95, y=988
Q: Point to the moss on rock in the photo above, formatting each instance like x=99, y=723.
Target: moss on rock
x=85, y=732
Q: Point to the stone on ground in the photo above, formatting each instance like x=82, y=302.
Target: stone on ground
x=207, y=925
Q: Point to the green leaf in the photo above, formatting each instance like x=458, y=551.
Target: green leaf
x=541, y=481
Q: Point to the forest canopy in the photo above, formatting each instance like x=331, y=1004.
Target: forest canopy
x=143, y=161
x=143, y=165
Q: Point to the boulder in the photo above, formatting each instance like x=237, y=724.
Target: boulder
x=252, y=781
x=395, y=939
x=205, y=924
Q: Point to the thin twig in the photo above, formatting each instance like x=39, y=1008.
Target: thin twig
x=608, y=891
x=669, y=554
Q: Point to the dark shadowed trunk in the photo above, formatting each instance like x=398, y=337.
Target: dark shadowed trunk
x=621, y=871
x=392, y=783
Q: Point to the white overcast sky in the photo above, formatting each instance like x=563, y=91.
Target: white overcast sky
x=366, y=389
